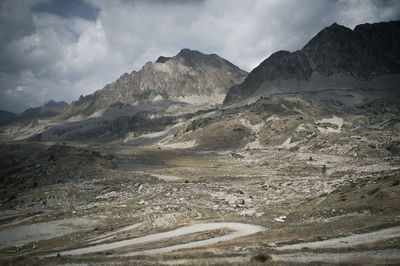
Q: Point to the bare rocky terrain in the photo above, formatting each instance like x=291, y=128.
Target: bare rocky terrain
x=292, y=178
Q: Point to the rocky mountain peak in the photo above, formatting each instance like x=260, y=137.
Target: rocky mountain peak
x=332, y=50
x=194, y=58
x=358, y=55
x=334, y=27
x=162, y=59
x=53, y=103
x=185, y=52
x=6, y=116
x=367, y=51
x=189, y=73
x=47, y=110
x=188, y=56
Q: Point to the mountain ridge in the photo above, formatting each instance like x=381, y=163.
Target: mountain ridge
x=368, y=51
x=189, y=73
x=6, y=116
x=47, y=110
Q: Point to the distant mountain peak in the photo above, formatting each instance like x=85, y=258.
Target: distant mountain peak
x=6, y=116
x=333, y=31
x=49, y=103
x=53, y=103
x=195, y=58
x=358, y=55
x=183, y=53
x=187, y=51
x=163, y=59
x=336, y=26
x=188, y=73
x=364, y=52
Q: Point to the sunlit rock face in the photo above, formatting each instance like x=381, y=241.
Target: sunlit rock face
x=189, y=73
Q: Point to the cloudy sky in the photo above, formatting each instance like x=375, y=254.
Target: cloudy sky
x=60, y=49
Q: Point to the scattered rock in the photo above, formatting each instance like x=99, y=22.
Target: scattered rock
x=280, y=219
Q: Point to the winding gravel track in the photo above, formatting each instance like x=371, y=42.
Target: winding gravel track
x=240, y=230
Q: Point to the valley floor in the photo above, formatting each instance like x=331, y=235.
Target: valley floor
x=122, y=205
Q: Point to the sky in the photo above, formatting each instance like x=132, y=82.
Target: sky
x=61, y=49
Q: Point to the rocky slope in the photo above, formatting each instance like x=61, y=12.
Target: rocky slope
x=190, y=76
x=367, y=57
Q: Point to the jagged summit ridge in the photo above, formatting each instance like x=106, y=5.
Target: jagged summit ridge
x=53, y=103
x=194, y=58
x=163, y=59
x=359, y=55
x=367, y=51
x=189, y=73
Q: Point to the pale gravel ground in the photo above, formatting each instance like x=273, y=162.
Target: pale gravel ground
x=255, y=129
x=287, y=144
x=216, y=98
x=181, y=145
x=166, y=177
x=161, y=177
x=335, y=121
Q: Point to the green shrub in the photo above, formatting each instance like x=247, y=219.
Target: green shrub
x=261, y=258
x=324, y=169
x=295, y=148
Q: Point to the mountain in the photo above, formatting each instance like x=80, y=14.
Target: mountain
x=47, y=110
x=6, y=116
x=190, y=76
x=367, y=57
x=161, y=94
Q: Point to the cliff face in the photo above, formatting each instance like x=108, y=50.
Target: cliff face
x=189, y=73
x=361, y=54
x=280, y=65
x=369, y=50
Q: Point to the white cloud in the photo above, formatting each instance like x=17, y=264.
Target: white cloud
x=62, y=58
x=20, y=88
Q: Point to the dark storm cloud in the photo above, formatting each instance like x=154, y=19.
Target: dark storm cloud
x=62, y=49
x=164, y=2
x=16, y=21
x=69, y=8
